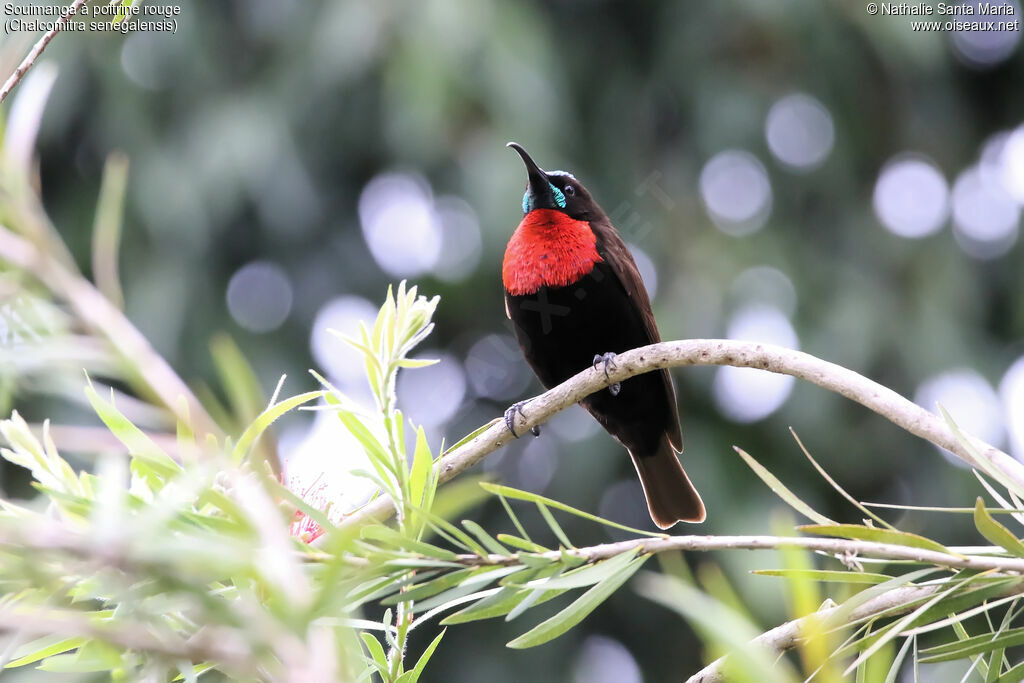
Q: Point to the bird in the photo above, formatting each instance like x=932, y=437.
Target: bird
x=576, y=299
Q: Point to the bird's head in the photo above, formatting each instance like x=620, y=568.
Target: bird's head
x=556, y=190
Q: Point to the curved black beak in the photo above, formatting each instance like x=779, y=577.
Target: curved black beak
x=539, y=194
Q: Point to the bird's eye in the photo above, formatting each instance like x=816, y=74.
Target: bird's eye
x=569, y=191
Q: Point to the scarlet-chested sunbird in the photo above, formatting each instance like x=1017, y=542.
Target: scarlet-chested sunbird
x=576, y=299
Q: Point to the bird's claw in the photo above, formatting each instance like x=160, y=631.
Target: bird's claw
x=609, y=363
x=510, y=418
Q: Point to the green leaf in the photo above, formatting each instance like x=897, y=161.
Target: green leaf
x=133, y=438
x=994, y=531
x=106, y=231
x=457, y=534
x=588, y=575
x=420, y=475
x=536, y=561
x=417, y=363
x=245, y=396
x=556, y=529
x=973, y=646
x=522, y=544
x=959, y=616
x=469, y=585
x=894, y=668
x=893, y=630
x=267, y=417
x=825, y=575
x=379, y=532
x=93, y=656
x=578, y=610
x=421, y=663
x=867, y=533
x=485, y=538
x=505, y=600
x=426, y=589
x=377, y=656
x=44, y=647
x=1014, y=675
x=509, y=492
x=995, y=665
x=472, y=435
x=841, y=614
x=983, y=463
x=834, y=484
x=781, y=491
x=720, y=626
x=277, y=488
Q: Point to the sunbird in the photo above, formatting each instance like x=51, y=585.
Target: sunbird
x=576, y=299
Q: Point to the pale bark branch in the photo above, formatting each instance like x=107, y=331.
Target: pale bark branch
x=37, y=49
x=884, y=401
x=790, y=634
x=839, y=547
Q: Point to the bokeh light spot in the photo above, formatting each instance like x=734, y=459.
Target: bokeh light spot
x=765, y=285
x=986, y=48
x=536, y=465
x=496, y=369
x=969, y=399
x=748, y=394
x=431, y=395
x=401, y=228
x=259, y=296
x=574, y=424
x=1011, y=391
x=341, y=362
x=736, y=192
x=986, y=219
x=1011, y=163
x=460, y=240
x=799, y=132
x=605, y=660
x=911, y=197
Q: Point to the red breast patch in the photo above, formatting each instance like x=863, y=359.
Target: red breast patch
x=548, y=249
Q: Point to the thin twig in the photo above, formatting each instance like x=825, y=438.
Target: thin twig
x=840, y=547
x=835, y=378
x=37, y=49
x=99, y=314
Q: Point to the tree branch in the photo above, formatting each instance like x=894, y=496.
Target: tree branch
x=790, y=634
x=880, y=399
x=839, y=547
x=37, y=49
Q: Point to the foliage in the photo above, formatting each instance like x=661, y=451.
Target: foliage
x=161, y=553
x=164, y=564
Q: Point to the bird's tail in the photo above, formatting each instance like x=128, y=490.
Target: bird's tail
x=670, y=496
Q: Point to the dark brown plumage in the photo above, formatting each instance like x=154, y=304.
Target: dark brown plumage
x=574, y=293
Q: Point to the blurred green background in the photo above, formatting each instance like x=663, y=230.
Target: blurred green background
x=800, y=173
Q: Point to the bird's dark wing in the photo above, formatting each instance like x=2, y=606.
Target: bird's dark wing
x=617, y=255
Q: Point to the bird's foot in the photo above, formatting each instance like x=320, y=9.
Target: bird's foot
x=609, y=364
x=510, y=418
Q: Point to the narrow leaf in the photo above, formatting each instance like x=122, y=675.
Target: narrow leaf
x=994, y=531
x=509, y=492
x=825, y=575
x=578, y=610
x=780, y=489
